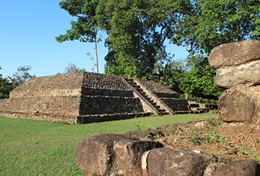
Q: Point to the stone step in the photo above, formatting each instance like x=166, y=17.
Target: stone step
x=182, y=112
x=153, y=103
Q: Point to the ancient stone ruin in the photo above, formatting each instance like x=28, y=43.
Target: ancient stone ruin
x=89, y=97
x=121, y=155
x=238, y=72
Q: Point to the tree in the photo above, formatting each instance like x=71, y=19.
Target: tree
x=71, y=68
x=136, y=31
x=171, y=74
x=211, y=23
x=199, y=81
x=22, y=75
x=85, y=28
x=5, y=87
x=207, y=25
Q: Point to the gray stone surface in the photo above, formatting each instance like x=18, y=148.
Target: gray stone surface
x=235, y=106
x=77, y=97
x=239, y=168
x=169, y=162
x=227, y=77
x=94, y=154
x=121, y=155
x=128, y=155
x=238, y=73
x=112, y=154
x=234, y=54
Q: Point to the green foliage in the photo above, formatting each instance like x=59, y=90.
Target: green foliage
x=171, y=74
x=199, y=81
x=214, y=111
x=84, y=28
x=211, y=23
x=137, y=32
x=210, y=135
x=137, y=124
x=5, y=87
x=193, y=76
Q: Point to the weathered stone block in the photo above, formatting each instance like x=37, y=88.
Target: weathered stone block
x=227, y=77
x=170, y=162
x=235, y=106
x=234, y=54
x=112, y=154
x=94, y=154
x=239, y=168
x=128, y=154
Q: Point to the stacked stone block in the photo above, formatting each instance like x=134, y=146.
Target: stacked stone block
x=238, y=73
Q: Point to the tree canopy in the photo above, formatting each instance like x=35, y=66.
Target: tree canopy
x=211, y=23
x=136, y=31
x=5, y=86
x=198, y=81
x=85, y=27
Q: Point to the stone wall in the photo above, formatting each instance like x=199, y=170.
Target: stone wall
x=55, y=85
x=176, y=104
x=107, y=94
x=63, y=105
x=109, y=105
x=69, y=96
x=54, y=97
x=104, y=82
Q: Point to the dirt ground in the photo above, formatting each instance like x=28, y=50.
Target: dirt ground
x=224, y=142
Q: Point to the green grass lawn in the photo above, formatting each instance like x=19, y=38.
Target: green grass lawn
x=30, y=147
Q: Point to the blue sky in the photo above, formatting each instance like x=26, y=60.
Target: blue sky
x=27, y=37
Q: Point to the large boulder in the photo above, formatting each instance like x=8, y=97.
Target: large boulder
x=235, y=106
x=238, y=72
x=176, y=162
x=234, y=54
x=239, y=168
x=112, y=154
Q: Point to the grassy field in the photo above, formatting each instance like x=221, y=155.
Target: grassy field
x=29, y=147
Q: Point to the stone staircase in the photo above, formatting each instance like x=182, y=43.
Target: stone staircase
x=153, y=102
